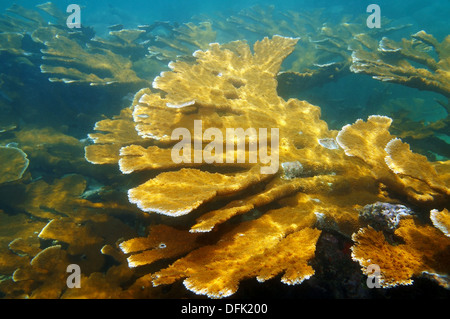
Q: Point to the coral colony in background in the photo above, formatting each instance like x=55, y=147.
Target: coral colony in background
x=162, y=192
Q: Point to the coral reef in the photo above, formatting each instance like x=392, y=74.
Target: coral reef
x=372, y=143
x=65, y=229
x=14, y=164
x=395, y=62
x=420, y=62
x=69, y=55
x=182, y=41
x=425, y=249
x=11, y=43
x=323, y=53
x=252, y=73
x=441, y=220
x=105, y=67
x=413, y=176
x=204, y=90
x=156, y=200
x=216, y=270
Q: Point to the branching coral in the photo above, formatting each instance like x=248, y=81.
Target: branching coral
x=20, y=19
x=307, y=66
x=162, y=194
x=18, y=242
x=182, y=41
x=230, y=90
x=51, y=9
x=274, y=243
x=162, y=242
x=114, y=134
x=14, y=164
x=72, y=55
x=422, y=123
x=125, y=57
x=425, y=249
x=395, y=62
x=104, y=68
x=12, y=43
x=48, y=146
x=441, y=220
x=393, y=163
x=402, y=161
x=76, y=228
x=223, y=95
x=240, y=214
x=332, y=59
x=46, y=273
x=62, y=198
x=28, y=22
x=409, y=174
x=322, y=54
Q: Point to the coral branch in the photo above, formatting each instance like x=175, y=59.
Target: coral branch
x=393, y=62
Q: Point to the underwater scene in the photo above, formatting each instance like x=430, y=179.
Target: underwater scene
x=224, y=149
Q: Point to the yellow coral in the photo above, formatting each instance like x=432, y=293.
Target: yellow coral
x=441, y=220
x=389, y=159
x=47, y=147
x=360, y=138
x=232, y=231
x=106, y=67
x=392, y=62
x=78, y=225
x=47, y=272
x=17, y=241
x=424, y=250
x=322, y=54
x=14, y=164
x=115, y=133
x=275, y=243
x=401, y=160
x=12, y=43
x=317, y=183
x=162, y=242
x=50, y=200
x=182, y=41
x=178, y=193
x=215, y=93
